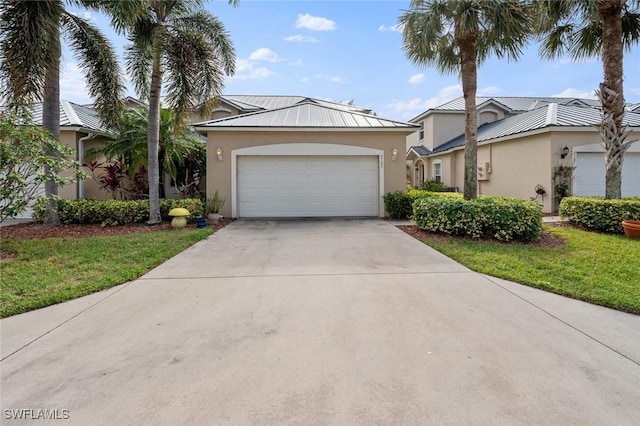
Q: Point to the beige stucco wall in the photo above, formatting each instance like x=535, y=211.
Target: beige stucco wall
x=69, y=138
x=219, y=172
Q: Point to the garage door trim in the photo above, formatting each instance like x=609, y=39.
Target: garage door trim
x=304, y=149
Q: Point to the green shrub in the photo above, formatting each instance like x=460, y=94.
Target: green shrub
x=433, y=186
x=414, y=194
x=501, y=218
x=114, y=212
x=397, y=204
x=600, y=214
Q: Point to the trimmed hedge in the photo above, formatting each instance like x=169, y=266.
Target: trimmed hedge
x=504, y=219
x=397, y=204
x=113, y=212
x=414, y=194
x=600, y=214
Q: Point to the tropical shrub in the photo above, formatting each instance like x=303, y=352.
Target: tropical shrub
x=433, y=186
x=27, y=162
x=501, y=218
x=397, y=204
x=600, y=214
x=114, y=212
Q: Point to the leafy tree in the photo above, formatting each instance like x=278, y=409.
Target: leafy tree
x=181, y=151
x=25, y=163
x=588, y=28
x=182, y=43
x=456, y=36
x=30, y=40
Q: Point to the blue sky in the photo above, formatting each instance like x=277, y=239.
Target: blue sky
x=351, y=50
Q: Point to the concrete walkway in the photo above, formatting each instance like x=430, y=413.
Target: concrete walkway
x=338, y=322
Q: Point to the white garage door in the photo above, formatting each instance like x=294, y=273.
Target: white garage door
x=590, y=174
x=307, y=186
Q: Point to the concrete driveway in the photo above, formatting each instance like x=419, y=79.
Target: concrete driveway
x=313, y=322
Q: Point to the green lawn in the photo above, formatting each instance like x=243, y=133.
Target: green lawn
x=597, y=268
x=53, y=270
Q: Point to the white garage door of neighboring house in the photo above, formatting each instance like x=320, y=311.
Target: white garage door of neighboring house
x=307, y=186
x=590, y=174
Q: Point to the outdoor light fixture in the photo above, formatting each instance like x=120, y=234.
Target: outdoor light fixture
x=394, y=154
x=219, y=153
x=565, y=152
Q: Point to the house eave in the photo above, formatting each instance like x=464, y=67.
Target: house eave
x=406, y=130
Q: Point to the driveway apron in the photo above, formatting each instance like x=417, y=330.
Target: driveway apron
x=320, y=322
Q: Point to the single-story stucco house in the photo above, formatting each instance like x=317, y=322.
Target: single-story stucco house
x=275, y=156
x=303, y=157
x=522, y=142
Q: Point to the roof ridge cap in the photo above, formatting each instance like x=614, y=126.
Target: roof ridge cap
x=70, y=113
x=552, y=114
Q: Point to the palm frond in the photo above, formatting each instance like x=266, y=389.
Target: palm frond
x=100, y=66
x=28, y=31
x=215, y=34
x=139, y=53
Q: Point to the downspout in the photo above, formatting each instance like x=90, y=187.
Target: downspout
x=80, y=183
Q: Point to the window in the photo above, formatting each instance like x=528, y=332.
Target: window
x=421, y=133
x=437, y=171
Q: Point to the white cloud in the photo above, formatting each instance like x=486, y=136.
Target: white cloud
x=395, y=28
x=634, y=90
x=298, y=63
x=85, y=15
x=570, y=92
x=417, y=79
x=331, y=79
x=264, y=54
x=488, y=91
x=301, y=39
x=304, y=79
x=413, y=107
x=315, y=23
x=246, y=70
x=72, y=84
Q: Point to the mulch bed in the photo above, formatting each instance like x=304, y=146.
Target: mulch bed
x=547, y=239
x=36, y=231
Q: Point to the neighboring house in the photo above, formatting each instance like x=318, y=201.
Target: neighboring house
x=300, y=157
x=522, y=142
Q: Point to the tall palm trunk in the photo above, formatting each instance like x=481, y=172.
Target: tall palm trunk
x=153, y=136
x=612, y=94
x=469, y=77
x=51, y=122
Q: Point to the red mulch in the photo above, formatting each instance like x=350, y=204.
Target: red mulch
x=38, y=232
x=547, y=239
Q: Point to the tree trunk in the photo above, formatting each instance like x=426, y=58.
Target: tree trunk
x=468, y=74
x=153, y=136
x=612, y=94
x=51, y=122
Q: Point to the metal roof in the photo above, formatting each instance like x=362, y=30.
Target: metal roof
x=511, y=105
x=552, y=115
x=420, y=150
x=71, y=115
x=253, y=102
x=306, y=115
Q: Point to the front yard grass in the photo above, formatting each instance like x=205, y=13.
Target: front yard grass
x=597, y=268
x=53, y=270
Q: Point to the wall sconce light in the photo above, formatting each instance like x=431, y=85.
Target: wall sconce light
x=394, y=154
x=565, y=152
x=219, y=153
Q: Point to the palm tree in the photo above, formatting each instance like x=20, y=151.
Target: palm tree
x=584, y=29
x=30, y=50
x=180, y=149
x=457, y=36
x=183, y=43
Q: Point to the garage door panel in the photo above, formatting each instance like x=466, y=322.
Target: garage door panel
x=589, y=175
x=304, y=186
